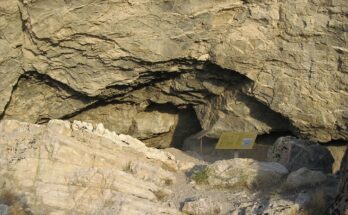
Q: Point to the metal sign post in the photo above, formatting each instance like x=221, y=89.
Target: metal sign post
x=236, y=154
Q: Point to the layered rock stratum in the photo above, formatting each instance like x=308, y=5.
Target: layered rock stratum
x=246, y=65
x=79, y=168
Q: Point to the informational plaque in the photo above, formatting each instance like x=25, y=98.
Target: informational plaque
x=236, y=140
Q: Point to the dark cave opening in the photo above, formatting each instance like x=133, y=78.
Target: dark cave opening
x=186, y=124
x=187, y=121
x=339, y=142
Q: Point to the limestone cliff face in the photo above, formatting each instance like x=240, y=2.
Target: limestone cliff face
x=243, y=65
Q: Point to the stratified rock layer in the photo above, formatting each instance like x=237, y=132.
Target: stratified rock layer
x=256, y=66
x=78, y=168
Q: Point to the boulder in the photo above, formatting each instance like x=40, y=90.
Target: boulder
x=304, y=177
x=296, y=153
x=247, y=173
x=201, y=207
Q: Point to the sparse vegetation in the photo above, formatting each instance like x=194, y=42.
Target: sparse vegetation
x=201, y=177
x=127, y=167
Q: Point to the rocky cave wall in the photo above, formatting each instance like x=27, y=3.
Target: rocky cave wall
x=164, y=69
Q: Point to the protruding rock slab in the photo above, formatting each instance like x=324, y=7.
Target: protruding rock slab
x=11, y=58
x=78, y=168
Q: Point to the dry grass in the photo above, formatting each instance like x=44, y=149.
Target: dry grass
x=127, y=167
x=16, y=206
x=167, y=167
x=160, y=194
x=168, y=182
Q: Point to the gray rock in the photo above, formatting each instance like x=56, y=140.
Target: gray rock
x=4, y=209
x=304, y=177
x=296, y=153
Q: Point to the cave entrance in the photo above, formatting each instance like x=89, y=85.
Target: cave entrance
x=186, y=124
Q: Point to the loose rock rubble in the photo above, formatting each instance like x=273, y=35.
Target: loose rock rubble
x=78, y=168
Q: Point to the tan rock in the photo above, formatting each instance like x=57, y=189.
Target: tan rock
x=78, y=168
x=247, y=173
x=201, y=207
x=11, y=58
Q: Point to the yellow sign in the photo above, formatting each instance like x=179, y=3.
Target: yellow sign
x=236, y=140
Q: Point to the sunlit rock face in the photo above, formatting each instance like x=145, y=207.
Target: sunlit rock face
x=258, y=66
x=80, y=168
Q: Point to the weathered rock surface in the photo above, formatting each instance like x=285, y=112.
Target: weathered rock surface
x=296, y=153
x=156, y=126
x=77, y=168
x=247, y=173
x=11, y=42
x=245, y=65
